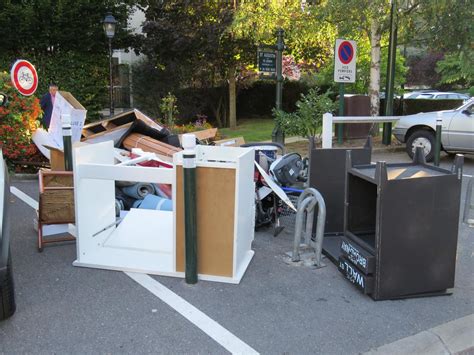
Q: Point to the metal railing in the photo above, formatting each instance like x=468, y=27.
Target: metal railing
x=329, y=120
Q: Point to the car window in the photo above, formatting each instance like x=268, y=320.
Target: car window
x=470, y=109
x=425, y=96
x=453, y=96
x=443, y=97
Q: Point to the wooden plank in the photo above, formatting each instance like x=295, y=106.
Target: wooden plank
x=204, y=134
x=230, y=142
x=89, y=134
x=215, y=220
x=148, y=144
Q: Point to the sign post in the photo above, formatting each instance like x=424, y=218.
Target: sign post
x=277, y=135
x=270, y=65
x=344, y=72
x=392, y=53
x=24, y=77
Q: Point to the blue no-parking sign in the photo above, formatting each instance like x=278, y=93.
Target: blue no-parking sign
x=345, y=61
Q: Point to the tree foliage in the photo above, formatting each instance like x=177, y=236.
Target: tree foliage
x=18, y=120
x=307, y=120
x=65, y=40
x=201, y=52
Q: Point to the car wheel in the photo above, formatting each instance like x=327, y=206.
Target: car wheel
x=7, y=295
x=424, y=139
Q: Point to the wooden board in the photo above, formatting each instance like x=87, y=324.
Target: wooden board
x=204, y=134
x=148, y=144
x=230, y=142
x=215, y=220
x=56, y=198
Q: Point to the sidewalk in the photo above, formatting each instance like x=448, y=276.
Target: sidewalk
x=455, y=337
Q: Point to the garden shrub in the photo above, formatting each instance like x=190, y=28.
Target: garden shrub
x=18, y=120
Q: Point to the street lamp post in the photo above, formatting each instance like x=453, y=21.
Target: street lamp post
x=109, y=29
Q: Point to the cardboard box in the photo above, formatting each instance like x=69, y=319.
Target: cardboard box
x=65, y=103
x=56, y=158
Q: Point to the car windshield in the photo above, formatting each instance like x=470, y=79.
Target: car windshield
x=466, y=105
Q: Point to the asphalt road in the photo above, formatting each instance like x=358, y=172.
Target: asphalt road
x=277, y=308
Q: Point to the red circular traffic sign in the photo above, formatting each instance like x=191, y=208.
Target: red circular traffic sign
x=345, y=52
x=24, y=77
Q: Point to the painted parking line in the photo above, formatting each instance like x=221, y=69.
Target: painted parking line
x=24, y=197
x=469, y=176
x=209, y=326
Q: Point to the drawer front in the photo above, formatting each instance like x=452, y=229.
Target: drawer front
x=363, y=282
x=361, y=258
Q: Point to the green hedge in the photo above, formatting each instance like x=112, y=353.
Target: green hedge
x=259, y=99
x=412, y=106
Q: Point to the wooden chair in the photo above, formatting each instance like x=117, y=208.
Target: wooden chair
x=56, y=203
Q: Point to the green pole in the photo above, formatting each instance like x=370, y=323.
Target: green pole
x=439, y=123
x=340, y=127
x=277, y=135
x=190, y=226
x=392, y=54
x=67, y=144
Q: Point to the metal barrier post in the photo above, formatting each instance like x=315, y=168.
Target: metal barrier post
x=190, y=226
x=327, y=130
x=340, y=126
x=67, y=145
x=439, y=124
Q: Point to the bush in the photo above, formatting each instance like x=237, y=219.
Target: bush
x=307, y=120
x=18, y=120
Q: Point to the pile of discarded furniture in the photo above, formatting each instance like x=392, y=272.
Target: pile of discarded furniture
x=391, y=229
x=123, y=201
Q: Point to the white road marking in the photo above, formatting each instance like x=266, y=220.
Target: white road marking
x=469, y=176
x=209, y=326
x=24, y=197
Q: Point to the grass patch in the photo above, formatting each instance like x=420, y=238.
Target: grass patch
x=252, y=129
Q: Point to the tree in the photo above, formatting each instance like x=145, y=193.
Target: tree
x=308, y=118
x=369, y=19
x=66, y=46
x=201, y=52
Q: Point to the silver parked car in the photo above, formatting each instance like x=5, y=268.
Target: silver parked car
x=442, y=96
x=457, y=131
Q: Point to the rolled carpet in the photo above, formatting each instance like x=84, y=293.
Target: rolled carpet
x=153, y=202
x=139, y=190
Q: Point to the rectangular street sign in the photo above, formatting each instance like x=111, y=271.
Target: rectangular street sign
x=345, y=54
x=267, y=61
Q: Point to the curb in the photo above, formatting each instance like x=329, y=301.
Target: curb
x=455, y=337
x=23, y=177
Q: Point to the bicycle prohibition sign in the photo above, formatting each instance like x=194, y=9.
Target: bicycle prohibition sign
x=24, y=77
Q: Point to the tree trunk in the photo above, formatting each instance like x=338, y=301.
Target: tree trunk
x=217, y=112
x=232, y=99
x=374, y=85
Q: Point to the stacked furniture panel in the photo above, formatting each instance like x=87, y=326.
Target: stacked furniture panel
x=328, y=176
x=401, y=228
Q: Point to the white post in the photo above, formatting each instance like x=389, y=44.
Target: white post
x=327, y=130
